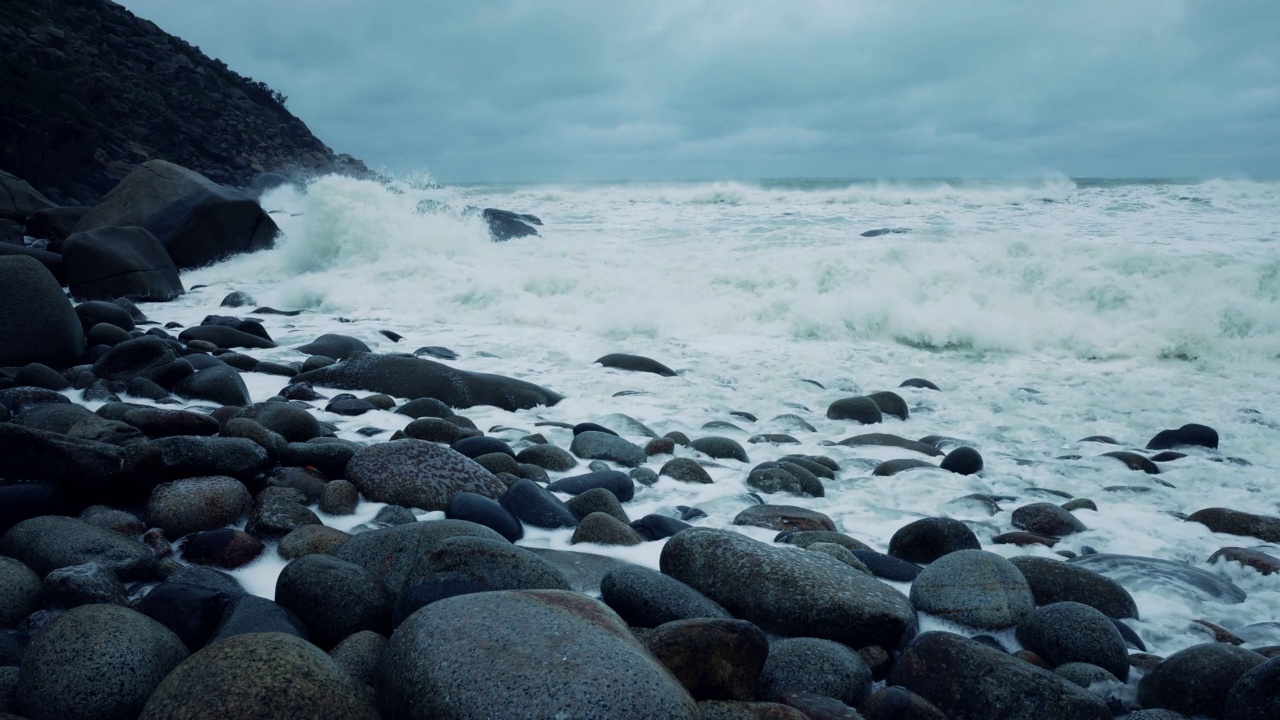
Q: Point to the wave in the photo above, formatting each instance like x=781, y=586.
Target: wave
x=1164, y=279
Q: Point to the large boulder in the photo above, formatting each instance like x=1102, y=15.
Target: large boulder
x=1256, y=695
x=335, y=598
x=194, y=504
x=196, y=220
x=18, y=200
x=1196, y=681
x=1054, y=581
x=968, y=680
x=522, y=654
x=37, y=324
x=787, y=590
x=974, y=588
x=71, y=463
x=417, y=473
x=260, y=675
x=111, y=262
x=647, y=598
x=50, y=542
x=95, y=662
x=392, y=552
x=414, y=378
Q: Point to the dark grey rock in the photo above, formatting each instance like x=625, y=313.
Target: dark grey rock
x=594, y=445
x=788, y=591
x=1068, y=632
x=974, y=588
x=550, y=457
x=618, y=483
x=609, y=674
x=334, y=346
x=95, y=661
x=963, y=460
x=720, y=448
x=534, y=505
x=225, y=548
x=485, y=511
x=191, y=612
x=686, y=470
x=1151, y=574
x=646, y=598
x=1085, y=674
x=41, y=376
x=339, y=497
x=46, y=330
x=1189, y=434
x=290, y=421
x=1046, y=519
x=425, y=407
x=19, y=591
x=968, y=680
x=188, y=456
x=714, y=659
x=784, y=518
x=860, y=409
x=195, y=504
x=260, y=675
x=890, y=403
x=78, y=585
x=597, y=500
x=895, y=703
x=360, y=655
x=1054, y=581
x=437, y=430
x=330, y=458
x=928, y=539
x=391, y=552
x=73, y=463
x=111, y=262
x=604, y=529
x=635, y=363
x=417, y=473
x=249, y=614
x=279, y=511
x=335, y=598
x=1256, y=695
x=813, y=665
x=47, y=543
x=220, y=383
x=1237, y=522
x=806, y=538
x=1197, y=681
x=415, y=378
x=309, y=540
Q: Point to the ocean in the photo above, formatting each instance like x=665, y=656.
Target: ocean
x=1046, y=310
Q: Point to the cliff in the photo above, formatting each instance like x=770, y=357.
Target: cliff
x=88, y=91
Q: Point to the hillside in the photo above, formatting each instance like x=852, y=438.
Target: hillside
x=88, y=91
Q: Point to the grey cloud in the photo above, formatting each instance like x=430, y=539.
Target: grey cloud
x=569, y=89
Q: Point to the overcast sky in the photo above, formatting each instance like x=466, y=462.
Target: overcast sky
x=561, y=90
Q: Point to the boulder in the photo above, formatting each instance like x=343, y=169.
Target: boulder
x=890, y=403
x=1070, y=632
x=928, y=539
x=968, y=680
x=505, y=225
x=290, y=421
x=335, y=598
x=788, y=591
x=80, y=466
x=647, y=598
x=279, y=511
x=19, y=591
x=110, y=262
x=1197, y=681
x=522, y=654
x=392, y=552
x=417, y=473
x=715, y=659
x=260, y=675
x=635, y=363
x=806, y=664
x=249, y=614
x=309, y=540
x=604, y=529
x=974, y=588
x=18, y=200
x=37, y=324
x=1256, y=695
x=549, y=457
x=196, y=220
x=413, y=378
x=47, y=543
x=596, y=445
x=1054, y=581
x=194, y=504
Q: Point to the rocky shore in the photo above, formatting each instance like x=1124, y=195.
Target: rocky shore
x=137, y=468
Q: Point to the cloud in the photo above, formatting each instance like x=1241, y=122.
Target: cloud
x=578, y=90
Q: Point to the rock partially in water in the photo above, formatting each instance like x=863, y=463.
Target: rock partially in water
x=1151, y=574
x=635, y=363
x=1236, y=522
x=1197, y=681
x=1053, y=581
x=974, y=588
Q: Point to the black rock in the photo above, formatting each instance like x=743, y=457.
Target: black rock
x=333, y=346
x=928, y=539
x=1197, y=681
x=635, y=363
x=505, y=225
x=111, y=262
x=220, y=383
x=963, y=460
x=656, y=527
x=190, y=456
x=1190, y=434
x=1256, y=695
x=890, y=403
x=1068, y=632
x=646, y=598
x=535, y=505
x=189, y=611
x=487, y=512
x=720, y=448
x=618, y=483
x=474, y=447
x=37, y=323
x=237, y=298
x=252, y=614
x=95, y=312
x=335, y=598
x=887, y=566
x=860, y=409
x=919, y=383
x=1053, y=581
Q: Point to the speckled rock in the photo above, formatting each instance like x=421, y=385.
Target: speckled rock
x=812, y=665
x=616, y=482
x=595, y=445
x=772, y=477
x=549, y=457
x=974, y=588
x=78, y=585
x=279, y=511
x=1235, y=522
x=339, y=497
x=417, y=473
x=715, y=659
x=968, y=680
x=647, y=598
x=195, y=504
x=597, y=500
x=1046, y=519
x=789, y=591
x=1256, y=695
x=928, y=539
x=291, y=421
x=1085, y=674
x=685, y=470
x=737, y=710
x=582, y=662
x=841, y=553
x=335, y=598
x=604, y=529
x=258, y=676
x=1066, y=632
x=188, y=456
x=360, y=655
x=391, y=552
x=310, y=539
x=438, y=430
x=1197, y=680
x=784, y=517
x=806, y=538
x=1054, y=581
x=50, y=542
x=95, y=661
x=19, y=591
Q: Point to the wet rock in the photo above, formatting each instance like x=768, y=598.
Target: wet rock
x=646, y=598
x=656, y=527
x=19, y=591
x=288, y=420
x=720, y=448
x=889, y=468
x=506, y=225
x=595, y=445
x=260, y=675
x=807, y=538
x=391, y=552
x=112, y=262
x=1256, y=695
x=963, y=461
x=686, y=470
x=784, y=518
x=534, y=505
x=1190, y=434
x=635, y=363
x=334, y=346
x=189, y=611
x=226, y=548
x=787, y=591
x=1196, y=681
x=609, y=674
x=47, y=543
x=895, y=703
x=309, y=540
x=191, y=505
x=860, y=409
x=335, y=598
x=1260, y=561
x=339, y=497
x=251, y=614
x=548, y=457
x=329, y=457
x=808, y=664
x=95, y=661
x=1140, y=573
x=190, y=456
x=714, y=659
x=918, y=383
x=971, y=681
x=1235, y=522
x=736, y=710
x=618, y=483
x=1046, y=519
x=77, y=465
x=1067, y=632
x=46, y=330
x=360, y=655
x=928, y=539
x=597, y=500
x=416, y=473
x=604, y=529
x=887, y=440
x=1053, y=581
x=78, y=585
x=487, y=512
x=413, y=378
x=890, y=403
x=974, y=588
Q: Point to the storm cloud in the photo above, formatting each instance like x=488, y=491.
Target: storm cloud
x=558, y=90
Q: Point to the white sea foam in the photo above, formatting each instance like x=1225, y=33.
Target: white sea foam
x=1048, y=311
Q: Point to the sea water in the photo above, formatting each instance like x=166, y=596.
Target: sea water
x=1046, y=310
